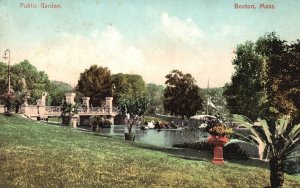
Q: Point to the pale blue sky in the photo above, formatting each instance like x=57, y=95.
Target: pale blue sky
x=131, y=36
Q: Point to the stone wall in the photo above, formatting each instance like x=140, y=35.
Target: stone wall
x=31, y=110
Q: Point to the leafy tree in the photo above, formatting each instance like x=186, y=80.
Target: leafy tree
x=155, y=95
x=266, y=81
x=127, y=86
x=36, y=81
x=8, y=98
x=3, y=77
x=292, y=84
x=25, y=79
x=278, y=139
x=57, y=92
x=272, y=49
x=137, y=86
x=181, y=96
x=121, y=88
x=244, y=94
x=135, y=108
x=277, y=73
x=95, y=83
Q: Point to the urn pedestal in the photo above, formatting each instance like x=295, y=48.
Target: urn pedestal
x=218, y=142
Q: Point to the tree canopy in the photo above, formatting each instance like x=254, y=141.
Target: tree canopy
x=57, y=92
x=134, y=106
x=127, y=86
x=25, y=79
x=266, y=78
x=181, y=96
x=155, y=96
x=3, y=77
x=245, y=92
x=95, y=83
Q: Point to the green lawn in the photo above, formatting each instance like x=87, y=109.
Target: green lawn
x=40, y=155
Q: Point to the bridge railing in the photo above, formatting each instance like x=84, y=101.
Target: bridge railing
x=57, y=110
x=82, y=109
x=53, y=109
x=98, y=110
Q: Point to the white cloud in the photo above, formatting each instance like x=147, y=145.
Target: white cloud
x=175, y=44
x=185, y=30
x=66, y=58
x=181, y=44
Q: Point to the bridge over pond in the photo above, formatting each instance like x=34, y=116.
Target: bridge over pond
x=84, y=111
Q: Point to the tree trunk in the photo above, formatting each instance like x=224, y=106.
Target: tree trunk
x=276, y=172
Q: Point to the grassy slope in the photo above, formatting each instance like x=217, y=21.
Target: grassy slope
x=39, y=155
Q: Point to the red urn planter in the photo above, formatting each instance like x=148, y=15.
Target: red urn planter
x=218, y=142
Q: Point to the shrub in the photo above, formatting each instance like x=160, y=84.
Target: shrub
x=292, y=166
x=230, y=151
x=235, y=151
x=204, y=146
x=94, y=121
x=107, y=122
x=97, y=121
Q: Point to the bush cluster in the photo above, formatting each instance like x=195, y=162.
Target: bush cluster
x=231, y=151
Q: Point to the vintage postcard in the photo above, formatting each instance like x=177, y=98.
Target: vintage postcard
x=145, y=93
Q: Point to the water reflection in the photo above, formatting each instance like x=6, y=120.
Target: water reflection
x=163, y=137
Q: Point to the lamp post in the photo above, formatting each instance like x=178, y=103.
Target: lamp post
x=7, y=56
x=112, y=89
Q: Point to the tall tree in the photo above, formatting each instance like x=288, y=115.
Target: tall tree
x=26, y=78
x=127, y=86
x=245, y=93
x=95, y=83
x=293, y=82
x=3, y=77
x=181, y=96
x=135, y=108
x=272, y=50
x=155, y=95
x=266, y=81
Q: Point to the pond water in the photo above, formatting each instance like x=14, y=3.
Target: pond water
x=162, y=137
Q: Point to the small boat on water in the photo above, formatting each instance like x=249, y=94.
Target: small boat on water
x=143, y=127
x=182, y=128
x=202, y=126
x=150, y=125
